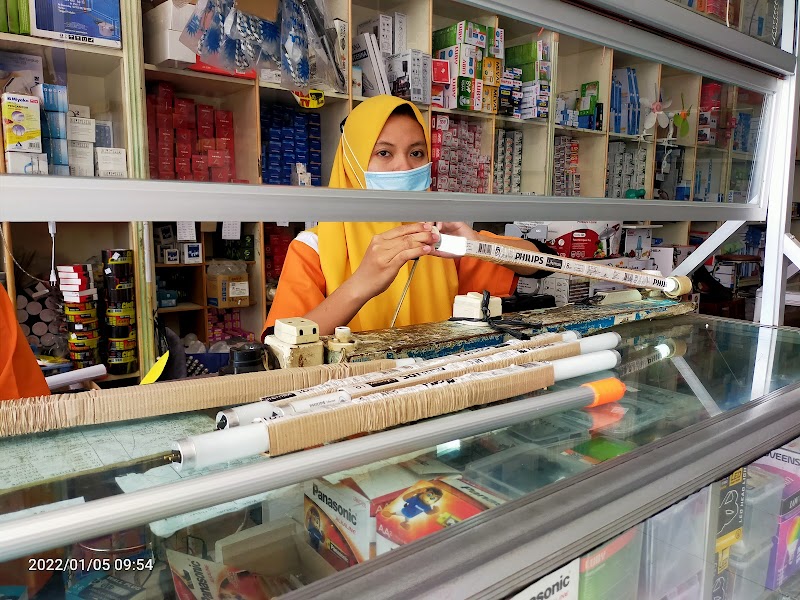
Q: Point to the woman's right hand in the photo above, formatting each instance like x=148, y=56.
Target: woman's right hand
x=388, y=252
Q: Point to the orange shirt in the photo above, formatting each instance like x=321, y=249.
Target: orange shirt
x=302, y=283
x=20, y=375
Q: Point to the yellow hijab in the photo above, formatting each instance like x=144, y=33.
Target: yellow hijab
x=343, y=245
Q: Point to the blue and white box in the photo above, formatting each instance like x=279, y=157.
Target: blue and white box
x=96, y=22
x=53, y=97
x=54, y=125
x=56, y=150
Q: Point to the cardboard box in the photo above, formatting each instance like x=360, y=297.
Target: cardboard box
x=463, y=32
x=381, y=28
x=584, y=239
x=164, y=49
x=264, y=9
x=227, y=291
x=167, y=15
x=400, y=44
x=492, y=71
x=22, y=127
x=27, y=69
x=638, y=243
x=664, y=259
x=341, y=517
x=273, y=549
x=465, y=60
x=81, y=158
x=96, y=23
x=23, y=163
x=428, y=507
x=81, y=130
x=192, y=254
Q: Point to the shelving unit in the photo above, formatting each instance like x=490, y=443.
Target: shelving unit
x=96, y=76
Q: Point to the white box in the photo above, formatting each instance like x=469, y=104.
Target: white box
x=79, y=110
x=358, y=81
x=341, y=44
x=81, y=158
x=664, y=259
x=192, y=253
x=407, y=65
x=81, y=130
x=167, y=15
x=381, y=28
x=172, y=256
x=24, y=163
x=400, y=35
x=111, y=159
x=562, y=584
x=164, y=49
x=638, y=243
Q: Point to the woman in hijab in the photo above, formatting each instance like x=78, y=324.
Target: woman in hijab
x=20, y=375
x=354, y=273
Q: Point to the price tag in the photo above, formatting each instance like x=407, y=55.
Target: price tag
x=186, y=231
x=282, y=223
x=231, y=230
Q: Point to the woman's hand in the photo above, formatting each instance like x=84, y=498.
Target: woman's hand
x=386, y=254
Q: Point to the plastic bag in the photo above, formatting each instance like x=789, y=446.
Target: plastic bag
x=260, y=39
x=208, y=35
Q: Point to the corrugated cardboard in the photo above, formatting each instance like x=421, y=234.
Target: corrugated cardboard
x=264, y=9
x=59, y=411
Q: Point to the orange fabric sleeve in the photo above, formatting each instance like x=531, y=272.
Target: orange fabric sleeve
x=301, y=286
x=20, y=375
x=476, y=275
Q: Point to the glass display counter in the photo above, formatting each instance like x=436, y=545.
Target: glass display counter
x=69, y=498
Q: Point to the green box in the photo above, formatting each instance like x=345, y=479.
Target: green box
x=589, y=94
x=521, y=55
x=463, y=32
x=24, y=16
x=465, y=88
x=612, y=570
x=13, y=16
x=3, y=17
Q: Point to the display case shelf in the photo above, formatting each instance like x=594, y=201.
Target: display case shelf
x=81, y=59
x=182, y=307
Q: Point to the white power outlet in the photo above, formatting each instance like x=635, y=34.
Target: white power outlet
x=296, y=331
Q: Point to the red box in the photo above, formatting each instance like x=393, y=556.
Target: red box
x=205, y=131
x=183, y=165
x=220, y=174
x=206, y=68
x=223, y=117
x=436, y=153
x=184, y=106
x=436, y=137
x=184, y=177
x=440, y=71
x=183, y=150
x=165, y=90
x=184, y=136
x=164, y=120
x=205, y=115
x=200, y=175
x=225, y=143
x=218, y=159
x=710, y=96
x=166, y=164
x=245, y=181
x=154, y=172
x=199, y=163
x=183, y=121
x=165, y=151
x=166, y=176
x=165, y=137
x=205, y=145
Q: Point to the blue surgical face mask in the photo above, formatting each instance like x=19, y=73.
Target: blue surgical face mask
x=413, y=180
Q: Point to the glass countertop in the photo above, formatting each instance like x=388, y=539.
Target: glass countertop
x=678, y=372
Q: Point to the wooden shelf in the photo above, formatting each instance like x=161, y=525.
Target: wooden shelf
x=279, y=88
x=747, y=156
x=464, y=113
x=579, y=131
x=174, y=266
x=631, y=138
x=196, y=82
x=82, y=59
x=502, y=119
x=182, y=307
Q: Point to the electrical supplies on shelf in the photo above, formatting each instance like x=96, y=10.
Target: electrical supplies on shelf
x=291, y=146
x=458, y=164
x=566, y=176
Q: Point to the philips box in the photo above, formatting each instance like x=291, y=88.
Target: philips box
x=96, y=22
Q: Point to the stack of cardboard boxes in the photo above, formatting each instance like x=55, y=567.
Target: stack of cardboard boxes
x=508, y=162
x=458, y=165
x=291, y=146
x=566, y=176
x=626, y=169
x=531, y=64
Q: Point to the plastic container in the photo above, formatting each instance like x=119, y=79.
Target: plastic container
x=602, y=448
x=674, y=547
x=556, y=432
x=522, y=470
x=612, y=570
x=761, y=506
x=638, y=415
x=474, y=449
x=749, y=570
